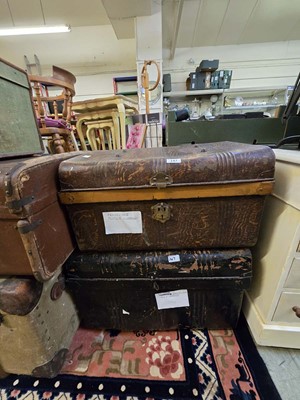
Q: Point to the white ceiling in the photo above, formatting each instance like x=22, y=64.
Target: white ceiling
x=102, y=36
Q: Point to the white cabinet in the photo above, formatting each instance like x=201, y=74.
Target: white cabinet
x=275, y=290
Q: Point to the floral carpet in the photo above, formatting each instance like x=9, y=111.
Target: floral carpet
x=182, y=365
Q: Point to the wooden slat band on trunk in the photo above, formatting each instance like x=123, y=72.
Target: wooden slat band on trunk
x=170, y=193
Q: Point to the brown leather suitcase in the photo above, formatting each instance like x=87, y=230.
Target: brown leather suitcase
x=190, y=196
x=37, y=323
x=35, y=237
x=159, y=290
x=19, y=134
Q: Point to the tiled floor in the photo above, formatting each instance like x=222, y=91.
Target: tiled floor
x=284, y=368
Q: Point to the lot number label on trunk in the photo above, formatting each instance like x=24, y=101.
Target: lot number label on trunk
x=174, y=299
x=117, y=222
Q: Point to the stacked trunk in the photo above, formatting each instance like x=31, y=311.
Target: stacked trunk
x=163, y=236
x=164, y=233
x=37, y=316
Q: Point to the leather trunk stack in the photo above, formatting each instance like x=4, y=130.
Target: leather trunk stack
x=38, y=317
x=163, y=234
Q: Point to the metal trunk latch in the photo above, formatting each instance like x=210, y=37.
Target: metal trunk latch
x=161, y=180
x=161, y=212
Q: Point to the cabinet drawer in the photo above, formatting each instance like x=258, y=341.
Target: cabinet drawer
x=284, y=312
x=293, y=279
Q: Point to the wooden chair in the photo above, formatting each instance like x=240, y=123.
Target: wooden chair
x=101, y=135
x=52, y=99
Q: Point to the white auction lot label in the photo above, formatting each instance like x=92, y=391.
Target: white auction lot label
x=173, y=299
x=117, y=222
x=173, y=258
x=173, y=160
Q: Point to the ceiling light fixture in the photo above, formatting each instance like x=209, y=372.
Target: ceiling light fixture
x=34, y=30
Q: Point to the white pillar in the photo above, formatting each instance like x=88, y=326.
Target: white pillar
x=149, y=47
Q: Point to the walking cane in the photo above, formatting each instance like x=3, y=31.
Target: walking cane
x=145, y=81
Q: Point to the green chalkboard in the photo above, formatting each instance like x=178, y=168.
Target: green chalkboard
x=19, y=133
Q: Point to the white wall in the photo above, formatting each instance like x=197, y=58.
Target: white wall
x=254, y=65
x=97, y=85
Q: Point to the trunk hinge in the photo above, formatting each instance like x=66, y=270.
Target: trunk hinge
x=25, y=227
x=16, y=205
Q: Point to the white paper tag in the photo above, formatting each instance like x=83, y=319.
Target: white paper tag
x=173, y=258
x=174, y=299
x=86, y=156
x=116, y=222
x=173, y=160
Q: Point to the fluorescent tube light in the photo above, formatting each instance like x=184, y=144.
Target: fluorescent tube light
x=34, y=30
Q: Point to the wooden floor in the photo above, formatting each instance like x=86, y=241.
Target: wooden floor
x=284, y=368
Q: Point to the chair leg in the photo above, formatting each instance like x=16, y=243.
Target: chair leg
x=80, y=133
x=71, y=142
x=102, y=138
x=91, y=137
x=58, y=145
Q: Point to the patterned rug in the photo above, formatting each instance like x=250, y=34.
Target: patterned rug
x=181, y=365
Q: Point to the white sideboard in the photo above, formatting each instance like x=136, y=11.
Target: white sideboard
x=272, y=305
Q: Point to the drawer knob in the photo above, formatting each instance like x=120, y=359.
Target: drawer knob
x=297, y=311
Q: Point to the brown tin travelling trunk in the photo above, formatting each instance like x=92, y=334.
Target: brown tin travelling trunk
x=35, y=237
x=159, y=290
x=19, y=134
x=189, y=196
x=37, y=323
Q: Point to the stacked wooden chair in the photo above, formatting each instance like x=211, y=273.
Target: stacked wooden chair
x=101, y=122
x=52, y=99
x=37, y=315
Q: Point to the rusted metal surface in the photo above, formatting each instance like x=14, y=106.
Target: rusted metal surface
x=32, y=222
x=209, y=217
x=199, y=163
x=35, y=330
x=202, y=263
x=118, y=291
x=216, y=222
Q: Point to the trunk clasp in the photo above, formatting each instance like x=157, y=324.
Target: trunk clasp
x=161, y=180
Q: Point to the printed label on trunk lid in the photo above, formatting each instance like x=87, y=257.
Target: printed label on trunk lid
x=174, y=299
x=173, y=160
x=117, y=222
x=174, y=258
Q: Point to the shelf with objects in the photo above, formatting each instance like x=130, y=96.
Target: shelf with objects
x=204, y=90
x=227, y=100
x=247, y=115
x=263, y=100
